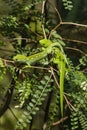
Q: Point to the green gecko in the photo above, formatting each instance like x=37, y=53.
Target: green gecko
x=38, y=56
x=59, y=58
x=33, y=58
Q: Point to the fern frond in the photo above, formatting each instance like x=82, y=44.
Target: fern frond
x=82, y=120
x=68, y=4
x=39, y=93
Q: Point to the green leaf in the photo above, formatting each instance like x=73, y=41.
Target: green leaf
x=40, y=87
x=37, y=108
x=42, y=82
x=46, y=77
x=31, y=104
x=44, y=94
x=33, y=112
x=61, y=42
x=42, y=98
x=28, y=108
x=30, y=117
x=33, y=100
x=28, y=121
x=24, y=124
x=25, y=113
x=56, y=35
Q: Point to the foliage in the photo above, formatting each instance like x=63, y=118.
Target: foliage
x=77, y=92
x=38, y=93
x=39, y=67
x=68, y=4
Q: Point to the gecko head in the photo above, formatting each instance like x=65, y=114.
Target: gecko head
x=45, y=42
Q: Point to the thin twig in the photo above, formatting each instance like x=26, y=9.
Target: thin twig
x=75, y=49
x=69, y=104
x=60, y=121
x=64, y=23
x=77, y=41
x=60, y=19
x=58, y=25
x=54, y=77
x=13, y=113
x=5, y=61
x=57, y=11
x=37, y=67
x=43, y=9
x=74, y=24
